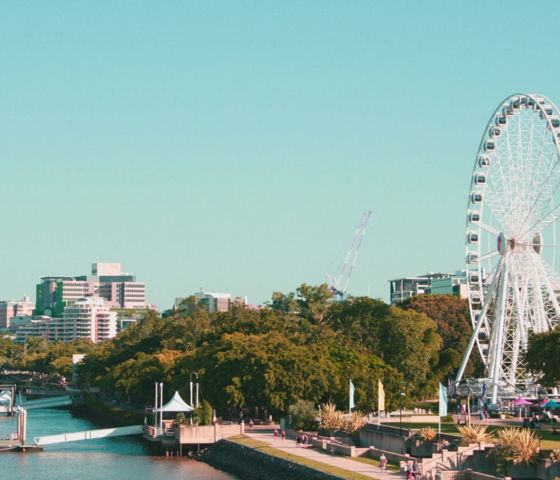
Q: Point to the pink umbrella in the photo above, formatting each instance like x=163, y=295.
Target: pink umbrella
x=521, y=401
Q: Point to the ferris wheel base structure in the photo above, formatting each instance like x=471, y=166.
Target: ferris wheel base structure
x=511, y=242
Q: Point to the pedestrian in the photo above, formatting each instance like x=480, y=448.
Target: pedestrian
x=251, y=424
x=275, y=433
x=383, y=462
x=298, y=439
x=305, y=439
x=283, y=434
x=415, y=469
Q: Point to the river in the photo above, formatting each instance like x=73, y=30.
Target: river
x=120, y=458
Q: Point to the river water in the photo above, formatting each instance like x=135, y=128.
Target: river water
x=119, y=458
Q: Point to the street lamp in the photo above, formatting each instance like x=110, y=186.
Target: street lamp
x=400, y=419
x=191, y=389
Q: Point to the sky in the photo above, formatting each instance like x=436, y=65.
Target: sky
x=232, y=146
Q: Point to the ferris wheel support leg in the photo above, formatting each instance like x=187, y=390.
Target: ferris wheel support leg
x=476, y=330
x=497, y=348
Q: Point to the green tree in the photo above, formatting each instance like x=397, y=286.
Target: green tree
x=303, y=415
x=543, y=356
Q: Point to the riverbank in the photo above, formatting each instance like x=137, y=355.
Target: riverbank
x=254, y=462
x=102, y=413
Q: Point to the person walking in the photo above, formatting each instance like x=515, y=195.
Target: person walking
x=383, y=462
x=283, y=434
x=275, y=433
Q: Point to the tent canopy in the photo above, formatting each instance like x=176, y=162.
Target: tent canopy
x=521, y=401
x=176, y=404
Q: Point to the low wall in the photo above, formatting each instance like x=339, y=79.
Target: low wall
x=251, y=464
x=331, y=445
x=543, y=468
x=464, y=475
x=207, y=434
x=385, y=437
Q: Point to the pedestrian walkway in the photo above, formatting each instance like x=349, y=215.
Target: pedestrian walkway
x=290, y=446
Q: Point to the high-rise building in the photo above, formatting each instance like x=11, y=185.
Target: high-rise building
x=107, y=281
x=17, y=308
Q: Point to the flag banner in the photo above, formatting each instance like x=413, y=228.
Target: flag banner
x=380, y=396
x=483, y=389
x=442, y=401
x=351, y=402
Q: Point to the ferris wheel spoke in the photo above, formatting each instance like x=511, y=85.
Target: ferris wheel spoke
x=540, y=225
x=489, y=255
x=547, y=189
x=489, y=229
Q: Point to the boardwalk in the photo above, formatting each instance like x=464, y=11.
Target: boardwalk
x=345, y=463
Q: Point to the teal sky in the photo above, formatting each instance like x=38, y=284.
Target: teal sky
x=233, y=145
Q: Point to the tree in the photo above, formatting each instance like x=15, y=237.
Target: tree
x=303, y=415
x=452, y=317
x=314, y=302
x=543, y=356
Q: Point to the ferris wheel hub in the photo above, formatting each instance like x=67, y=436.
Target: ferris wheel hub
x=502, y=243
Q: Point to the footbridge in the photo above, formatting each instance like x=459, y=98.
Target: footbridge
x=88, y=435
x=50, y=402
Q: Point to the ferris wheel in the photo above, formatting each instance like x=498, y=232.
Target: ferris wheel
x=513, y=218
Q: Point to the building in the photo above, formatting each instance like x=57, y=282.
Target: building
x=212, y=301
x=431, y=283
x=11, y=309
x=107, y=281
x=36, y=327
x=88, y=318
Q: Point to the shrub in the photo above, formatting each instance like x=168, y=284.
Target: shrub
x=517, y=445
x=428, y=434
x=354, y=422
x=474, y=434
x=331, y=419
x=303, y=415
x=204, y=414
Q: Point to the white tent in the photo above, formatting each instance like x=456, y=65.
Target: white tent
x=176, y=404
x=5, y=396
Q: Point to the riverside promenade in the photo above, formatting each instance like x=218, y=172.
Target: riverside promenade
x=345, y=463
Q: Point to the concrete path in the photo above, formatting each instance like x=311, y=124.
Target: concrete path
x=345, y=463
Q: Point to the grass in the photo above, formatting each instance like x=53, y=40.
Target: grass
x=268, y=450
x=371, y=461
x=548, y=439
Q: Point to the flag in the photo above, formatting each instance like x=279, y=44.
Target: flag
x=483, y=389
x=351, y=395
x=380, y=396
x=442, y=401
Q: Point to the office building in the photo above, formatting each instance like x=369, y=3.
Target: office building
x=107, y=281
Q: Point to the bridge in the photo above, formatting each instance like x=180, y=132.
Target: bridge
x=88, y=435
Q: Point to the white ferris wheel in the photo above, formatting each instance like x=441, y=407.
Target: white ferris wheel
x=513, y=217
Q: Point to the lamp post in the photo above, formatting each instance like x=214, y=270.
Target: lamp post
x=400, y=420
x=191, y=388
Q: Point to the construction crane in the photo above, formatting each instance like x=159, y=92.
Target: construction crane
x=338, y=283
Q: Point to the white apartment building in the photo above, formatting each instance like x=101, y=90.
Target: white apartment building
x=89, y=318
